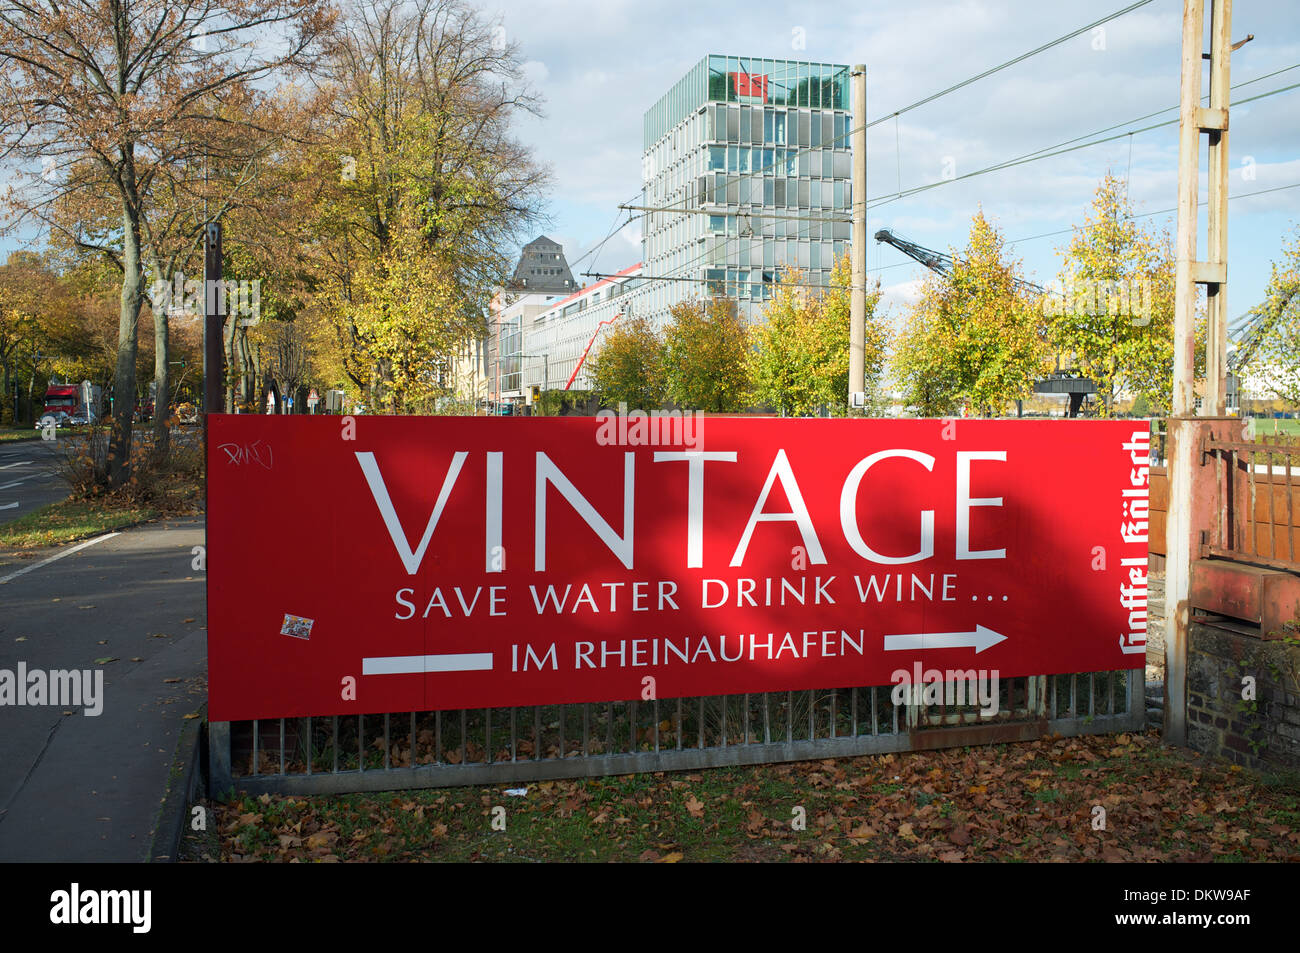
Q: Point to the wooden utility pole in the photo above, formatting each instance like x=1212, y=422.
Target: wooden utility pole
x=1185, y=430
x=858, y=246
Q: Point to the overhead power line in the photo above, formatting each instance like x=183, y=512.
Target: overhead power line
x=944, y=92
x=1042, y=153
x=903, y=264
x=1047, y=153
x=1051, y=151
x=1011, y=62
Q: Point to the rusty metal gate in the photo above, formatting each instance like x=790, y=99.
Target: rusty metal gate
x=499, y=745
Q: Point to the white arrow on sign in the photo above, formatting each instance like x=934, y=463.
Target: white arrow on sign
x=415, y=664
x=981, y=639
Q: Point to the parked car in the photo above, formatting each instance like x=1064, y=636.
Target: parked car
x=58, y=418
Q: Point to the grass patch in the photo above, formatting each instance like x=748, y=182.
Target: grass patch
x=1267, y=426
x=10, y=434
x=70, y=520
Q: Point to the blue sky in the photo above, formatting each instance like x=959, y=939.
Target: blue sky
x=601, y=65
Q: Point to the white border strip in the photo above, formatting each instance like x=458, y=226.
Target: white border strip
x=66, y=552
x=413, y=664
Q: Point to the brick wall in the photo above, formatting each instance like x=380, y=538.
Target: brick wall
x=1263, y=733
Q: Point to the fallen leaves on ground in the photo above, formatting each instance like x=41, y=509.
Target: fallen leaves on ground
x=1027, y=802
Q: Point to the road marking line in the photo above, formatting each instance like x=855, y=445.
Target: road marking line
x=8, y=506
x=9, y=486
x=66, y=552
x=411, y=664
x=20, y=463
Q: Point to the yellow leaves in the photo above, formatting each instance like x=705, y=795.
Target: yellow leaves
x=799, y=357
x=1274, y=349
x=705, y=351
x=627, y=364
x=1097, y=327
x=972, y=341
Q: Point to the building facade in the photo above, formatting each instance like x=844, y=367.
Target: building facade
x=747, y=171
x=542, y=269
x=488, y=370
x=562, y=337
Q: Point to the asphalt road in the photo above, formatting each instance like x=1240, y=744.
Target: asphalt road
x=79, y=787
x=28, y=478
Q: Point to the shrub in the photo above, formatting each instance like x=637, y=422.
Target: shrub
x=166, y=481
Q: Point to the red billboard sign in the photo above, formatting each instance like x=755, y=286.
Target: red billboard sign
x=375, y=564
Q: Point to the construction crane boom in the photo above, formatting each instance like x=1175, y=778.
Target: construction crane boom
x=1076, y=388
x=936, y=261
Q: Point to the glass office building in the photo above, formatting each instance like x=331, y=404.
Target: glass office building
x=750, y=160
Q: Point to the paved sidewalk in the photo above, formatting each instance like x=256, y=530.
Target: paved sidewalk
x=80, y=788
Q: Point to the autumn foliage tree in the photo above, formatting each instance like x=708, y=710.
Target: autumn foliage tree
x=1113, y=316
x=628, y=368
x=706, y=354
x=421, y=191
x=1275, y=359
x=799, y=362
x=975, y=340
x=112, y=102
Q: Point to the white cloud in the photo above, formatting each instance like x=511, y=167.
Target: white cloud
x=536, y=72
x=900, y=298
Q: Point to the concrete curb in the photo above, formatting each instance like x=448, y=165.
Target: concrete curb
x=173, y=815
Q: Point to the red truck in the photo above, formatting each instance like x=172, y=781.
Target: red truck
x=73, y=399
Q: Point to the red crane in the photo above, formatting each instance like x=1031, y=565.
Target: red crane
x=578, y=366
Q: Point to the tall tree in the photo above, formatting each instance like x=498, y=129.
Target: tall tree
x=975, y=340
x=800, y=358
x=1113, y=319
x=629, y=366
x=112, y=97
x=706, y=352
x=25, y=290
x=425, y=192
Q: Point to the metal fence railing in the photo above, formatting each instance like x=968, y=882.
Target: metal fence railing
x=393, y=751
x=1257, y=506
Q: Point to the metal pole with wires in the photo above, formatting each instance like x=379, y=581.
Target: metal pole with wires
x=858, y=247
